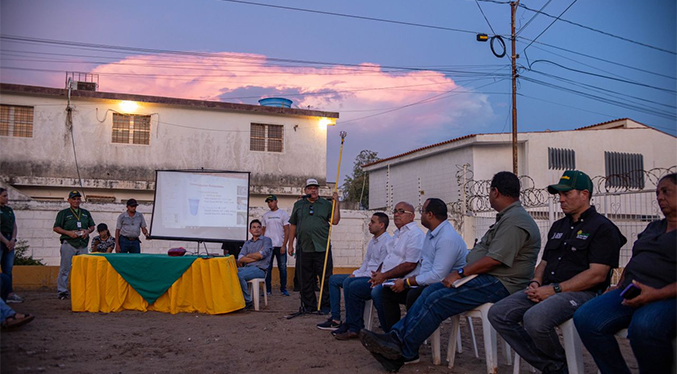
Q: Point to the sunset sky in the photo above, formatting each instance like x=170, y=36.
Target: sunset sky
x=402, y=74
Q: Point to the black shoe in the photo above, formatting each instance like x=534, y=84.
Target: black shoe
x=249, y=306
x=383, y=344
x=346, y=335
x=391, y=366
x=343, y=328
x=329, y=325
x=63, y=296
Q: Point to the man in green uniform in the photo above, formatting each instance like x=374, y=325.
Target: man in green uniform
x=309, y=224
x=74, y=224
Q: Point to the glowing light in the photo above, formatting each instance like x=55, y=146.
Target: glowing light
x=324, y=122
x=128, y=106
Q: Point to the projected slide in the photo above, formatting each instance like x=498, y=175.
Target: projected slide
x=200, y=205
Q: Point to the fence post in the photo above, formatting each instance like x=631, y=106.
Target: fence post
x=551, y=211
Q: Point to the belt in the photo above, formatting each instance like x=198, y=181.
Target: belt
x=130, y=238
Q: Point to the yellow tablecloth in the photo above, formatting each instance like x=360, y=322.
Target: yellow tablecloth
x=209, y=286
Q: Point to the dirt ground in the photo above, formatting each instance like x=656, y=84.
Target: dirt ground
x=61, y=341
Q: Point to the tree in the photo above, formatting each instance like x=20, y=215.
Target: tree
x=356, y=186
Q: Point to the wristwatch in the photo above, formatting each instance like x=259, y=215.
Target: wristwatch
x=461, y=273
x=556, y=287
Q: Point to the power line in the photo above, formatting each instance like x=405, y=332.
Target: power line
x=599, y=31
x=350, y=16
x=553, y=22
x=606, y=77
x=531, y=19
x=485, y=18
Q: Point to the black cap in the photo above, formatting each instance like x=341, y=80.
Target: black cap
x=73, y=194
x=132, y=202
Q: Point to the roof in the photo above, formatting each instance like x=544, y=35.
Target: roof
x=600, y=126
x=8, y=88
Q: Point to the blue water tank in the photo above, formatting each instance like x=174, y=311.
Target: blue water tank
x=279, y=102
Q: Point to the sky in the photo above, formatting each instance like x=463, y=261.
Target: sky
x=401, y=74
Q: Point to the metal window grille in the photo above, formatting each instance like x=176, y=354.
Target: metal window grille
x=16, y=121
x=131, y=129
x=624, y=170
x=266, y=138
x=561, y=159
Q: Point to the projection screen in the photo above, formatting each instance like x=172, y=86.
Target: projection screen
x=200, y=205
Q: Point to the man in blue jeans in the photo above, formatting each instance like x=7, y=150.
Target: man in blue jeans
x=253, y=260
x=503, y=260
x=377, y=249
x=128, y=229
x=276, y=227
x=581, y=250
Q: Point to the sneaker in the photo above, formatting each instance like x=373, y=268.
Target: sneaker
x=269, y=293
x=14, y=298
x=329, y=324
x=249, y=306
x=63, y=296
x=343, y=328
x=285, y=293
x=414, y=360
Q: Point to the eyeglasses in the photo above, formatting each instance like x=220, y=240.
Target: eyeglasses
x=401, y=211
x=311, y=210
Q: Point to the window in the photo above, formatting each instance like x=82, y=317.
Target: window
x=624, y=170
x=131, y=129
x=266, y=138
x=561, y=159
x=16, y=121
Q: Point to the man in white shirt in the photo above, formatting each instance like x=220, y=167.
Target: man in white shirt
x=276, y=227
x=376, y=252
x=404, y=253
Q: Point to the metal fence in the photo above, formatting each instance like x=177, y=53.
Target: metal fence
x=629, y=208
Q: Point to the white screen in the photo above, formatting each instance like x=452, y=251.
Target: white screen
x=200, y=205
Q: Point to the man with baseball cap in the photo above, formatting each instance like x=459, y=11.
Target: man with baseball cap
x=74, y=224
x=276, y=227
x=128, y=229
x=309, y=225
x=582, y=249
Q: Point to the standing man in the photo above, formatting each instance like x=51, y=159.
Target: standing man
x=309, y=223
x=356, y=286
x=8, y=233
x=582, y=249
x=74, y=224
x=276, y=227
x=503, y=260
x=253, y=259
x=443, y=251
x=128, y=229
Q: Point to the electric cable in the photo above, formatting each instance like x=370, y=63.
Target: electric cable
x=552, y=23
x=532, y=18
x=501, y=42
x=485, y=17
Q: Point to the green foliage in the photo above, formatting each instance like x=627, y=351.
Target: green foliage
x=356, y=186
x=20, y=257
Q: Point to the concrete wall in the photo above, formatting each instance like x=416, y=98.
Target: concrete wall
x=181, y=138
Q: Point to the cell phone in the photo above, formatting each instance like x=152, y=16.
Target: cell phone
x=630, y=292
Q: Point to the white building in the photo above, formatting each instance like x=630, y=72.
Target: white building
x=605, y=149
x=121, y=139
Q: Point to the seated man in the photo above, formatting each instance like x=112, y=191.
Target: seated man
x=504, y=260
x=649, y=315
x=443, y=251
x=376, y=252
x=582, y=249
x=253, y=259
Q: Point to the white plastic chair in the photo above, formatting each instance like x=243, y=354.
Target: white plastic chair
x=435, y=338
x=368, y=315
x=254, y=291
x=490, y=339
x=573, y=349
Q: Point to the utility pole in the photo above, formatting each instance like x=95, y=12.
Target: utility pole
x=513, y=10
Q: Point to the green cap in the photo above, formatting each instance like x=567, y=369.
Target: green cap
x=73, y=194
x=271, y=197
x=572, y=180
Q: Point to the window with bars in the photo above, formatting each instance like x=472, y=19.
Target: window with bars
x=266, y=138
x=16, y=121
x=624, y=170
x=131, y=129
x=561, y=159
